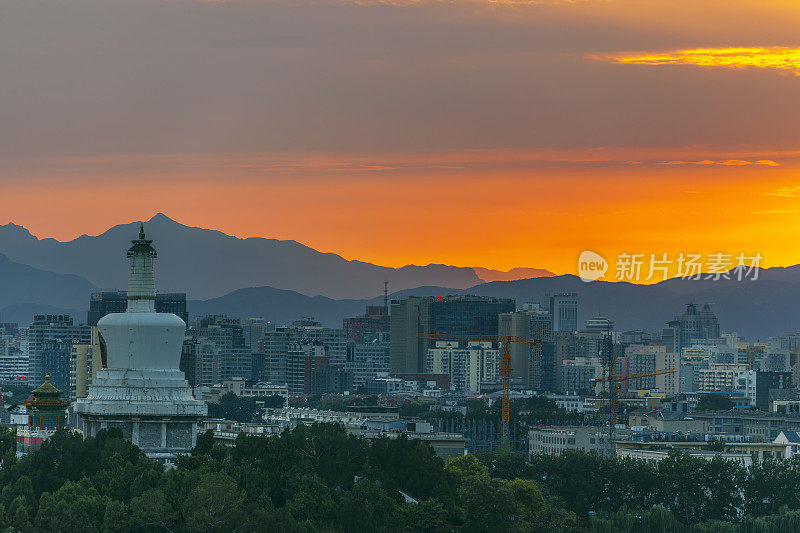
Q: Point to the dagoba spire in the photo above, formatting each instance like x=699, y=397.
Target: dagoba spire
x=141, y=283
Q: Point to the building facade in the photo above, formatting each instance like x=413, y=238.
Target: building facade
x=413, y=318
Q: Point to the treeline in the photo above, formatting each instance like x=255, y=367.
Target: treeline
x=320, y=478
x=621, y=494
x=313, y=478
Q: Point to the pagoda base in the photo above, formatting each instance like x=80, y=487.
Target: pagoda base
x=153, y=408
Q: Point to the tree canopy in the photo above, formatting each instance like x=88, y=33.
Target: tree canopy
x=321, y=478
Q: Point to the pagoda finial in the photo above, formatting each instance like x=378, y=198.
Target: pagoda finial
x=141, y=231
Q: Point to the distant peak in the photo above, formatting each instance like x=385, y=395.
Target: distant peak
x=160, y=217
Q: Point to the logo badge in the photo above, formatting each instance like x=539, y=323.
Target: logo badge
x=591, y=266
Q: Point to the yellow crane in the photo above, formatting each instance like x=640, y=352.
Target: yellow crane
x=614, y=382
x=505, y=362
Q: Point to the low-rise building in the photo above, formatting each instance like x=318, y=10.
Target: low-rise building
x=552, y=440
x=754, y=426
x=655, y=455
x=571, y=402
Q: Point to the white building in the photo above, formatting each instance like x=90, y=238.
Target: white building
x=141, y=391
x=552, y=440
x=13, y=360
x=571, y=402
x=745, y=382
x=719, y=376
x=656, y=455
x=468, y=363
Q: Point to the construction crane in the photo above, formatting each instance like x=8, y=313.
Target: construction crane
x=505, y=362
x=614, y=382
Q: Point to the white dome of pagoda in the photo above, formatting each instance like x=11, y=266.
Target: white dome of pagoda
x=140, y=338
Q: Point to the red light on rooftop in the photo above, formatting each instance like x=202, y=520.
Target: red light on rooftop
x=439, y=298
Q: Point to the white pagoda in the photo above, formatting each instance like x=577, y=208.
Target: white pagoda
x=140, y=389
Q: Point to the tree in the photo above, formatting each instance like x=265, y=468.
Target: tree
x=216, y=504
x=366, y=508
x=714, y=402
x=233, y=407
x=151, y=511
x=428, y=516
x=73, y=507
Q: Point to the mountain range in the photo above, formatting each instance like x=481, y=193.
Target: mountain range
x=754, y=309
x=284, y=280
x=207, y=263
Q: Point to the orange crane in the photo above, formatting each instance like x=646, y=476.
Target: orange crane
x=505, y=362
x=614, y=382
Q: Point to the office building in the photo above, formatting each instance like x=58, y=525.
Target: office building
x=253, y=331
x=234, y=357
x=13, y=360
x=440, y=315
x=565, y=310
x=687, y=329
x=541, y=372
x=576, y=373
x=366, y=328
x=644, y=358
x=103, y=303
x=468, y=363
x=49, y=340
x=766, y=382
x=719, y=376
x=518, y=324
x=367, y=361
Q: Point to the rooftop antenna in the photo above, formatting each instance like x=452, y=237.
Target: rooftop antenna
x=386, y=293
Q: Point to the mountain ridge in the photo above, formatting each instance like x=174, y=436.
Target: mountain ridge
x=208, y=263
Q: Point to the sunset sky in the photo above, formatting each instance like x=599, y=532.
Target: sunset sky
x=467, y=132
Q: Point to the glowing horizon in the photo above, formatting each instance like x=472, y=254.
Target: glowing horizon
x=776, y=57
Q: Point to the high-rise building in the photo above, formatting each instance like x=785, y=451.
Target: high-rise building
x=576, y=373
x=468, y=363
x=103, y=303
x=13, y=360
x=541, y=371
x=565, y=310
x=367, y=361
x=518, y=324
x=709, y=325
x=685, y=330
x=286, y=349
x=564, y=348
x=49, y=342
x=769, y=381
x=441, y=315
x=87, y=359
x=644, y=358
x=254, y=329
x=234, y=357
x=365, y=328
x=141, y=391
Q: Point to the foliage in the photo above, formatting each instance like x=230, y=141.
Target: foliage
x=714, y=402
x=233, y=407
x=321, y=478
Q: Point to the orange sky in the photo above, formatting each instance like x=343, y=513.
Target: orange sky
x=475, y=133
x=498, y=210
